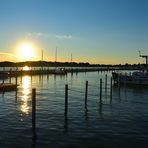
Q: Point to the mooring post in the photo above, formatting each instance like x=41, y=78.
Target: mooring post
x=9, y=79
x=111, y=92
x=86, y=92
x=3, y=79
x=34, y=112
x=16, y=80
x=106, y=82
x=21, y=72
x=31, y=71
x=119, y=81
x=100, y=91
x=47, y=76
x=66, y=99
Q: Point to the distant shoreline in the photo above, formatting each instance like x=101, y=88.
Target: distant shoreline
x=68, y=64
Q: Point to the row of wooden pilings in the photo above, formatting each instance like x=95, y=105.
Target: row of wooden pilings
x=66, y=101
x=86, y=94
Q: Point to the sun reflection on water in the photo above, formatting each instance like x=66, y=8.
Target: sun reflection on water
x=26, y=80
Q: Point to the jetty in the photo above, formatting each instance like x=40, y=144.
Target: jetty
x=57, y=71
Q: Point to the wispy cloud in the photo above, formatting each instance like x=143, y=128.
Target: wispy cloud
x=67, y=37
x=37, y=34
x=47, y=35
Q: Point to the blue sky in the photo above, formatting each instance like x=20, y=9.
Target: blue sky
x=95, y=31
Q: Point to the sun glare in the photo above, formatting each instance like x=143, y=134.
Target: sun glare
x=26, y=52
x=26, y=68
x=25, y=95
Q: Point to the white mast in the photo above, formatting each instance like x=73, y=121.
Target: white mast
x=56, y=55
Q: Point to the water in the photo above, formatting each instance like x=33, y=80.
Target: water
x=120, y=122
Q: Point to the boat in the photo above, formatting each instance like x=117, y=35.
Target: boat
x=137, y=77
x=60, y=71
x=8, y=87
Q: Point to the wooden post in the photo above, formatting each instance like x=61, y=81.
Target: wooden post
x=16, y=80
x=47, y=76
x=106, y=82
x=34, y=112
x=86, y=92
x=111, y=92
x=9, y=79
x=100, y=91
x=21, y=72
x=119, y=80
x=66, y=99
x=3, y=79
x=31, y=72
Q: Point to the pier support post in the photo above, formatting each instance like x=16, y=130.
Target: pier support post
x=100, y=91
x=86, y=92
x=66, y=99
x=34, y=113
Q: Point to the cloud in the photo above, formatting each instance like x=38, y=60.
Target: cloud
x=46, y=35
x=67, y=37
x=37, y=34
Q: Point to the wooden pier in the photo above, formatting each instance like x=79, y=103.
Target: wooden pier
x=62, y=71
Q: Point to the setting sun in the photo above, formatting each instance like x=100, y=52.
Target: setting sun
x=26, y=51
x=26, y=68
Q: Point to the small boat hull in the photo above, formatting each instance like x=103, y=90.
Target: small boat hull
x=4, y=75
x=8, y=87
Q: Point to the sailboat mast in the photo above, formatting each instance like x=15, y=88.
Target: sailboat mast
x=56, y=55
x=42, y=55
x=42, y=59
x=71, y=57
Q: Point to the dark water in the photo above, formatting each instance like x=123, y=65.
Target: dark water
x=120, y=122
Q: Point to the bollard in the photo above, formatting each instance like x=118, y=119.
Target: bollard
x=86, y=92
x=100, y=91
x=66, y=99
x=34, y=112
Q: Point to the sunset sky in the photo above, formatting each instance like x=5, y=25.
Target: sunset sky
x=95, y=31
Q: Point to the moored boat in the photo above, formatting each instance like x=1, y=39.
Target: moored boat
x=4, y=75
x=8, y=87
x=137, y=77
x=60, y=71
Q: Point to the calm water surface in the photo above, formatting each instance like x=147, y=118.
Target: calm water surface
x=120, y=122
